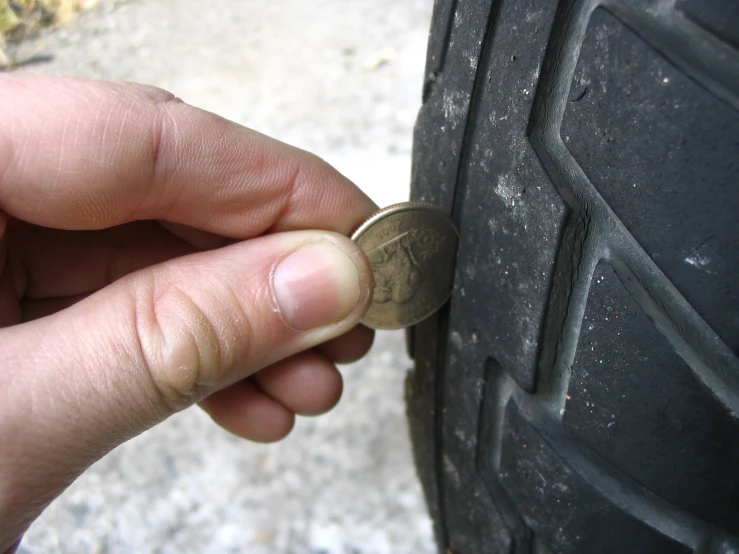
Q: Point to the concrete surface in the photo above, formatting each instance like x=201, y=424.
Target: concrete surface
x=342, y=79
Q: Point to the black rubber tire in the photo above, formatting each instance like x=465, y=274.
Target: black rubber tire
x=580, y=391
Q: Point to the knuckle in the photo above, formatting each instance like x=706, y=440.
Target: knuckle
x=185, y=349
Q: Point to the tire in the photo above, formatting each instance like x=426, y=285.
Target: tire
x=580, y=391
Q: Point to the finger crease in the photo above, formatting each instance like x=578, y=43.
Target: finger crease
x=158, y=160
x=160, y=399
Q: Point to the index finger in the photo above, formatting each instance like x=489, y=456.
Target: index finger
x=81, y=154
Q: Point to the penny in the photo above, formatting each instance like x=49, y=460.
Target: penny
x=412, y=248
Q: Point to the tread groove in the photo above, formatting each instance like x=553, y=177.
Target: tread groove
x=456, y=214
x=488, y=454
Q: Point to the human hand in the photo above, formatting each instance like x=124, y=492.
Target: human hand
x=127, y=288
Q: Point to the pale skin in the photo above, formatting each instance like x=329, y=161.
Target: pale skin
x=154, y=256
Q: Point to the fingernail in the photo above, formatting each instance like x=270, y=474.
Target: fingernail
x=316, y=285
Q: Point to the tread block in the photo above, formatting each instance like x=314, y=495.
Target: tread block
x=509, y=203
x=563, y=511
x=640, y=129
x=636, y=403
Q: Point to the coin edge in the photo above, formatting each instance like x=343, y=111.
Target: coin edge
x=400, y=207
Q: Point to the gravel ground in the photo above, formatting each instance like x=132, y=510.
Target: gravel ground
x=341, y=79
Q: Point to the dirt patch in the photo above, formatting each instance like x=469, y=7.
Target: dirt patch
x=19, y=18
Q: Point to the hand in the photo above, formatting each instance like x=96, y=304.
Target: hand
x=129, y=290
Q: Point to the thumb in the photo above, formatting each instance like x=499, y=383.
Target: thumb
x=79, y=382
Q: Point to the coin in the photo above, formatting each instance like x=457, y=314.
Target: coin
x=412, y=248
